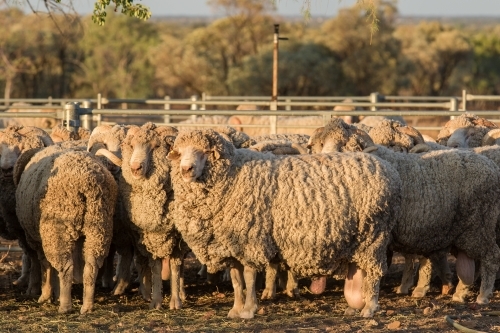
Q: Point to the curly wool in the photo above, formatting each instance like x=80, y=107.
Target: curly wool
x=397, y=137
x=255, y=207
x=450, y=190
x=481, y=126
x=148, y=201
x=63, y=195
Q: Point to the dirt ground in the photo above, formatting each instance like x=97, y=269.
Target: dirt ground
x=207, y=305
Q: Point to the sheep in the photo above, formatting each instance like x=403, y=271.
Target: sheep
x=292, y=124
x=13, y=141
x=60, y=133
x=123, y=241
x=42, y=123
x=147, y=198
x=467, y=131
x=65, y=201
x=374, y=121
x=438, y=195
x=347, y=119
x=215, y=122
x=248, y=209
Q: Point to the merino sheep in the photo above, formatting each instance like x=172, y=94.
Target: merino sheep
x=123, y=241
x=14, y=141
x=438, y=195
x=147, y=198
x=60, y=133
x=374, y=121
x=42, y=123
x=246, y=209
x=65, y=201
x=468, y=131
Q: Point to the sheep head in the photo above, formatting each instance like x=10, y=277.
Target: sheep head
x=337, y=136
x=466, y=131
x=140, y=144
x=17, y=139
x=393, y=135
x=193, y=150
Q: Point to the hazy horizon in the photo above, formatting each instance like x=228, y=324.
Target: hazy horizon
x=319, y=8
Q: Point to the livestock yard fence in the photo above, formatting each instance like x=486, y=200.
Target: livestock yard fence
x=88, y=113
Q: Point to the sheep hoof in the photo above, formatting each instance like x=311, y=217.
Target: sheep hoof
x=22, y=281
x=233, y=313
x=419, y=292
x=85, y=310
x=182, y=295
x=482, y=299
x=44, y=299
x=458, y=298
x=247, y=314
x=119, y=289
x=155, y=305
x=447, y=289
x=367, y=313
x=350, y=312
x=175, y=304
x=401, y=290
x=293, y=293
x=65, y=308
x=268, y=294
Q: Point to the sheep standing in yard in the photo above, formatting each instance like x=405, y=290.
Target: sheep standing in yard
x=245, y=209
x=15, y=140
x=456, y=191
x=147, y=198
x=123, y=241
x=65, y=200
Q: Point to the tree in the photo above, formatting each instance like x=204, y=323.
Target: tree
x=433, y=53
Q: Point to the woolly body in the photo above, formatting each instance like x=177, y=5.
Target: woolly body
x=62, y=196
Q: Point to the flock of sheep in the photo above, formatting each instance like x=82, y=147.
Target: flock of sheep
x=335, y=203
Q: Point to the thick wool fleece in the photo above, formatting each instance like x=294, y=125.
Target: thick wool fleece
x=481, y=127
x=310, y=121
x=392, y=134
x=64, y=195
x=148, y=201
x=256, y=207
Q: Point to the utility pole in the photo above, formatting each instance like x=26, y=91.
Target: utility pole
x=274, y=97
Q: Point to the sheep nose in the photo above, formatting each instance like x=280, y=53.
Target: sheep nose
x=187, y=168
x=136, y=166
x=7, y=171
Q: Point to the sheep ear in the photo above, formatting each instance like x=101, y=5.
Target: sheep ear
x=173, y=155
x=216, y=154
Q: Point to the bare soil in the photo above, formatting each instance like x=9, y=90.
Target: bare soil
x=207, y=305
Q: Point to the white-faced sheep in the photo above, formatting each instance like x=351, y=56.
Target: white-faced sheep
x=451, y=190
x=147, y=197
x=123, y=241
x=65, y=201
x=14, y=141
x=286, y=213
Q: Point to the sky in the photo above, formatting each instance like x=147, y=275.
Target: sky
x=439, y=8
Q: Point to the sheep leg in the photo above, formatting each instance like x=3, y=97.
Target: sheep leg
x=157, y=285
x=408, y=275
x=46, y=282
x=90, y=272
x=488, y=273
x=165, y=269
x=65, y=282
x=35, y=280
x=202, y=273
x=23, y=280
x=424, y=278
x=108, y=269
x=123, y=270
x=270, y=289
x=292, y=285
x=182, y=290
x=371, y=284
x=175, y=282
x=144, y=275
x=444, y=272
x=237, y=281
x=251, y=303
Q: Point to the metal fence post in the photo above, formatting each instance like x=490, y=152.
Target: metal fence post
x=194, y=106
x=203, y=98
x=288, y=107
x=166, y=118
x=71, y=116
x=86, y=119
x=464, y=100
x=97, y=118
x=374, y=98
x=453, y=106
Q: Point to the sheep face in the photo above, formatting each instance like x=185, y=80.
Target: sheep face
x=462, y=137
x=140, y=159
x=8, y=157
x=192, y=162
x=315, y=143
